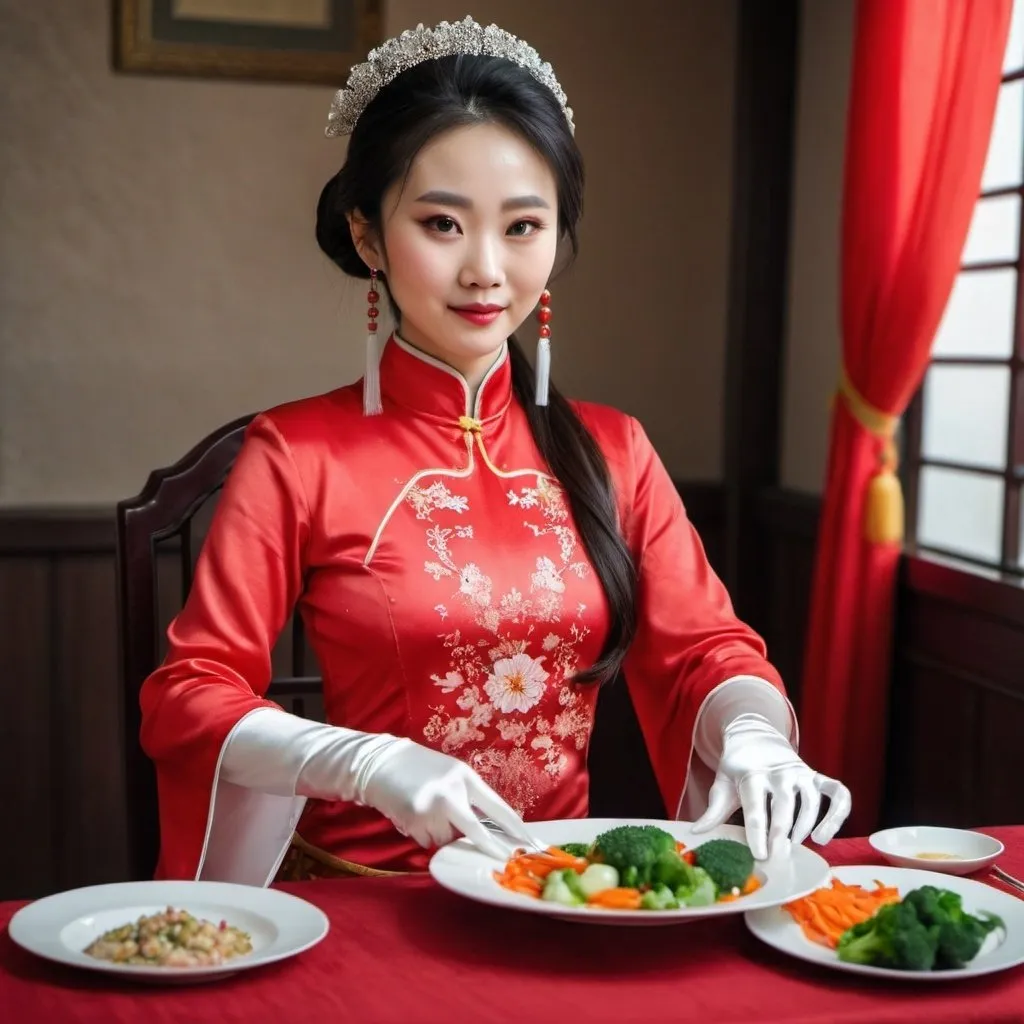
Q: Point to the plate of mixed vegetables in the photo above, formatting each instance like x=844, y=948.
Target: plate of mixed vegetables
x=899, y=922
x=629, y=872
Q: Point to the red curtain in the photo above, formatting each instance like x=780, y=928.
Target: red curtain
x=925, y=79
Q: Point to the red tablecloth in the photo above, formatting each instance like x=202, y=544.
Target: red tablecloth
x=402, y=949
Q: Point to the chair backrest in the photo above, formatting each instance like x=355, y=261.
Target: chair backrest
x=158, y=537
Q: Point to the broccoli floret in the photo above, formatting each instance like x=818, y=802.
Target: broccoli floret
x=959, y=942
x=670, y=869
x=661, y=897
x=728, y=862
x=559, y=888
x=576, y=849
x=636, y=847
x=894, y=937
x=925, y=901
x=960, y=935
x=700, y=892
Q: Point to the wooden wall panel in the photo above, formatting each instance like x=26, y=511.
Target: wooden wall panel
x=932, y=742
x=28, y=737
x=957, y=707
x=997, y=796
x=87, y=692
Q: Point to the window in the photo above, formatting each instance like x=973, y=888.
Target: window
x=965, y=429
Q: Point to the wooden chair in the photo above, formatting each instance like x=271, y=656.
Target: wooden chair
x=157, y=542
x=156, y=546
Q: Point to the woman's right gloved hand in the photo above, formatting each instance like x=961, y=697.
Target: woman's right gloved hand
x=432, y=797
x=428, y=796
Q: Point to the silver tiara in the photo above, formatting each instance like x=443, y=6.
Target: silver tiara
x=412, y=47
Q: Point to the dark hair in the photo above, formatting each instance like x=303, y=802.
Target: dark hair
x=427, y=99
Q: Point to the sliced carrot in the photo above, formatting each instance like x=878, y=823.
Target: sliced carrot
x=827, y=913
x=527, y=886
x=621, y=898
x=753, y=884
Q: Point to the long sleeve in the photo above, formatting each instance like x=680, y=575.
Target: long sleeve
x=689, y=641
x=248, y=578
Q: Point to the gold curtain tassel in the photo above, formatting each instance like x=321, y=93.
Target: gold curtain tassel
x=884, y=516
x=883, y=509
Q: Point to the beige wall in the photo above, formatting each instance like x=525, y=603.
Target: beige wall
x=812, y=350
x=158, y=274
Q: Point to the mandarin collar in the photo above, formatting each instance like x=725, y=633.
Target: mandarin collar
x=426, y=385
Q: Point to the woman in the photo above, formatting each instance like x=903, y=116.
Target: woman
x=472, y=554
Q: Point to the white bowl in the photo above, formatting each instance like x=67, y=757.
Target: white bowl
x=953, y=851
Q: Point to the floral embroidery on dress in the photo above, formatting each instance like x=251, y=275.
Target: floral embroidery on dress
x=436, y=496
x=504, y=684
x=516, y=683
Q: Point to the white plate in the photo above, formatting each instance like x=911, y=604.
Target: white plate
x=969, y=851
x=1001, y=950
x=59, y=927
x=463, y=869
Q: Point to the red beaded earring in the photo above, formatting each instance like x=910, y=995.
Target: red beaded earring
x=371, y=379
x=543, y=348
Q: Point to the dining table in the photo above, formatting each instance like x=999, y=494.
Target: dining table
x=404, y=949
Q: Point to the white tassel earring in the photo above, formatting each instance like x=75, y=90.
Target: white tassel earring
x=371, y=379
x=544, y=349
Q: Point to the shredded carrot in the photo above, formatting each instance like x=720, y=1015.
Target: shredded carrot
x=827, y=913
x=525, y=872
x=616, y=899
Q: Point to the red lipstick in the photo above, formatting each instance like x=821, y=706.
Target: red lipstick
x=479, y=313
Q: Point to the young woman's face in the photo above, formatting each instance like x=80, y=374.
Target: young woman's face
x=469, y=243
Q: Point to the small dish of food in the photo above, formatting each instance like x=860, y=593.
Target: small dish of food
x=168, y=931
x=951, y=851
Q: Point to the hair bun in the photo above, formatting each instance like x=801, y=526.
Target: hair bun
x=333, y=234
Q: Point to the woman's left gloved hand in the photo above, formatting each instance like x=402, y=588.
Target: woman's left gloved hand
x=760, y=772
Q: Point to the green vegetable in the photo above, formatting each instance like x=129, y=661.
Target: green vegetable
x=661, y=897
x=670, y=869
x=928, y=929
x=574, y=884
x=636, y=847
x=894, y=937
x=597, y=878
x=700, y=892
x=728, y=862
x=576, y=849
x=960, y=935
x=560, y=889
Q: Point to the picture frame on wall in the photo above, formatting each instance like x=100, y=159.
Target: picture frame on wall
x=308, y=41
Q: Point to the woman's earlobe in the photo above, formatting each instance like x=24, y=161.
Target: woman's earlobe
x=362, y=239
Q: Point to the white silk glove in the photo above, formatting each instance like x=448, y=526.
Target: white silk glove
x=427, y=795
x=758, y=769
x=432, y=797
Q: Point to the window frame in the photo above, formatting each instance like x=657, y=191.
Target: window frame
x=1010, y=566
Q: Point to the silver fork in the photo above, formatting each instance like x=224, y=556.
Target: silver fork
x=533, y=845
x=1014, y=883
